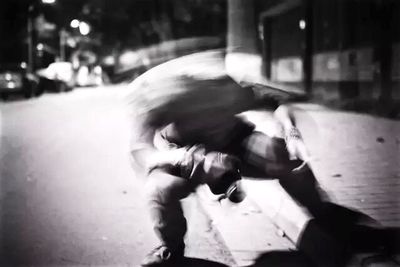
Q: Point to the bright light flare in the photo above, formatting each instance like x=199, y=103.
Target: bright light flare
x=302, y=24
x=74, y=23
x=48, y=1
x=84, y=28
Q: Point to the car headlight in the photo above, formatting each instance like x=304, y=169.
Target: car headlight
x=10, y=80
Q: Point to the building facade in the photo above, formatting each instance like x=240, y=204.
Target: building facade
x=331, y=49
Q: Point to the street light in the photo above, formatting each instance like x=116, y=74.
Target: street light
x=31, y=8
x=30, y=38
x=74, y=23
x=84, y=28
x=48, y=1
x=302, y=24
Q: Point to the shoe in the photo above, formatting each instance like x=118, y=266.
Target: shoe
x=235, y=193
x=161, y=255
x=302, y=168
x=380, y=260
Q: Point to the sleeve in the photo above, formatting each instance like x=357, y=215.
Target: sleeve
x=144, y=117
x=217, y=170
x=142, y=132
x=143, y=129
x=271, y=98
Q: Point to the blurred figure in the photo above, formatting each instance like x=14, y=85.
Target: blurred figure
x=86, y=69
x=186, y=132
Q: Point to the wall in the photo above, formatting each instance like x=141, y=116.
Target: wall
x=346, y=47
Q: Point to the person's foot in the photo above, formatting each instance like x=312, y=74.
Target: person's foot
x=303, y=167
x=162, y=255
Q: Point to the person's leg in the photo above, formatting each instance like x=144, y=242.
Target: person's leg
x=265, y=156
x=269, y=156
x=164, y=192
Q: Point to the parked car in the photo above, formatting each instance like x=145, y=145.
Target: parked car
x=15, y=79
x=61, y=76
x=57, y=77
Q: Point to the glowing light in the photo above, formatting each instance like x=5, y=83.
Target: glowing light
x=48, y=1
x=109, y=60
x=11, y=84
x=84, y=28
x=23, y=65
x=74, y=23
x=302, y=24
x=39, y=47
x=97, y=70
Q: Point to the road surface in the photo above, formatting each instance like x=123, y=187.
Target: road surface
x=68, y=194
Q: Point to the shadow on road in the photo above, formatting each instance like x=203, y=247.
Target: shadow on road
x=282, y=259
x=334, y=233
x=335, y=239
x=195, y=262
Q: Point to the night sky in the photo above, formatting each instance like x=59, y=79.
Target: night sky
x=114, y=23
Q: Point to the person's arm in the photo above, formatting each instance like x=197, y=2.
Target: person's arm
x=145, y=155
x=294, y=141
x=284, y=114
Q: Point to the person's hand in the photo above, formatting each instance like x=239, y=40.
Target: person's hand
x=166, y=158
x=295, y=145
x=297, y=149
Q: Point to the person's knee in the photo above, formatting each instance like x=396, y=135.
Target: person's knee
x=263, y=148
x=278, y=150
x=164, y=188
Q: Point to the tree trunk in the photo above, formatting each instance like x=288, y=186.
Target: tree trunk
x=308, y=53
x=241, y=27
x=384, y=45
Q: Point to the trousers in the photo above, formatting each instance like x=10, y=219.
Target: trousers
x=261, y=156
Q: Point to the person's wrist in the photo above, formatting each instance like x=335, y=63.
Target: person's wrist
x=178, y=156
x=292, y=134
x=172, y=157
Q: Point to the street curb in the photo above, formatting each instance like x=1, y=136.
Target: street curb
x=244, y=227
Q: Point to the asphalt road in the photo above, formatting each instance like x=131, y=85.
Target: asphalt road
x=68, y=194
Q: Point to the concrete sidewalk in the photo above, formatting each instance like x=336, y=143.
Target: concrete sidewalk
x=356, y=161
